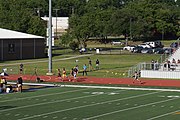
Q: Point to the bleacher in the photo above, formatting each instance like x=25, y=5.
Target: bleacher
x=169, y=69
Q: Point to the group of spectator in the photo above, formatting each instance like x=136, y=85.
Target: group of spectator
x=75, y=71
x=91, y=66
x=154, y=65
x=170, y=65
x=5, y=88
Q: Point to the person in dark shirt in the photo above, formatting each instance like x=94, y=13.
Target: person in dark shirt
x=90, y=65
x=97, y=64
x=21, y=68
x=19, y=84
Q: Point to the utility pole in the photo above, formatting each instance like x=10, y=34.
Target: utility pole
x=50, y=39
x=56, y=21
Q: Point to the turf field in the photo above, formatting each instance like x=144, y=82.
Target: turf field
x=76, y=103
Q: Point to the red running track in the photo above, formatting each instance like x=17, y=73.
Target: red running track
x=94, y=80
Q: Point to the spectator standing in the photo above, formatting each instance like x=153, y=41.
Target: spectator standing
x=90, y=65
x=173, y=62
x=35, y=71
x=152, y=64
x=19, y=84
x=97, y=64
x=84, y=69
x=21, y=68
x=156, y=65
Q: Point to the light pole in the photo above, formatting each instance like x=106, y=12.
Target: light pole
x=56, y=22
x=50, y=39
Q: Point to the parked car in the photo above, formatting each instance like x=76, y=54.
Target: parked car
x=137, y=49
x=147, y=50
x=168, y=50
x=129, y=47
x=155, y=44
x=116, y=43
x=158, y=50
x=144, y=45
x=82, y=50
x=174, y=45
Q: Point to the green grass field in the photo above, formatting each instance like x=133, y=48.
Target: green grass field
x=112, y=63
x=68, y=103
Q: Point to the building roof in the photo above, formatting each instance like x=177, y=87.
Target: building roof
x=10, y=34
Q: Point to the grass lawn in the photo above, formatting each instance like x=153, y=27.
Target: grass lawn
x=109, y=64
x=66, y=103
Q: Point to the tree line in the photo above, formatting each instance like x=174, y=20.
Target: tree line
x=135, y=19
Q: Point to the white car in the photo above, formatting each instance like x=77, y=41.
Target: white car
x=144, y=45
x=116, y=43
x=129, y=47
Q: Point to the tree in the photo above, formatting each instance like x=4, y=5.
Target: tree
x=144, y=18
x=66, y=39
x=15, y=15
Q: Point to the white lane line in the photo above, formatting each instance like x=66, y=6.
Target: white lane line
x=64, y=118
x=159, y=116
x=16, y=114
x=44, y=95
x=89, y=105
x=55, y=117
x=131, y=108
x=50, y=102
x=45, y=103
x=125, y=88
x=45, y=116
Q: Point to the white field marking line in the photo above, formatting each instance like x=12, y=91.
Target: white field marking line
x=79, y=56
x=89, y=105
x=57, y=101
x=125, y=88
x=50, y=85
x=106, y=87
x=44, y=103
x=42, y=95
x=131, y=108
x=159, y=116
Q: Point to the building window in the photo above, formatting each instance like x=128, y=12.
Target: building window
x=11, y=48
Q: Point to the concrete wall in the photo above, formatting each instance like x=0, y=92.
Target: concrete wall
x=160, y=74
